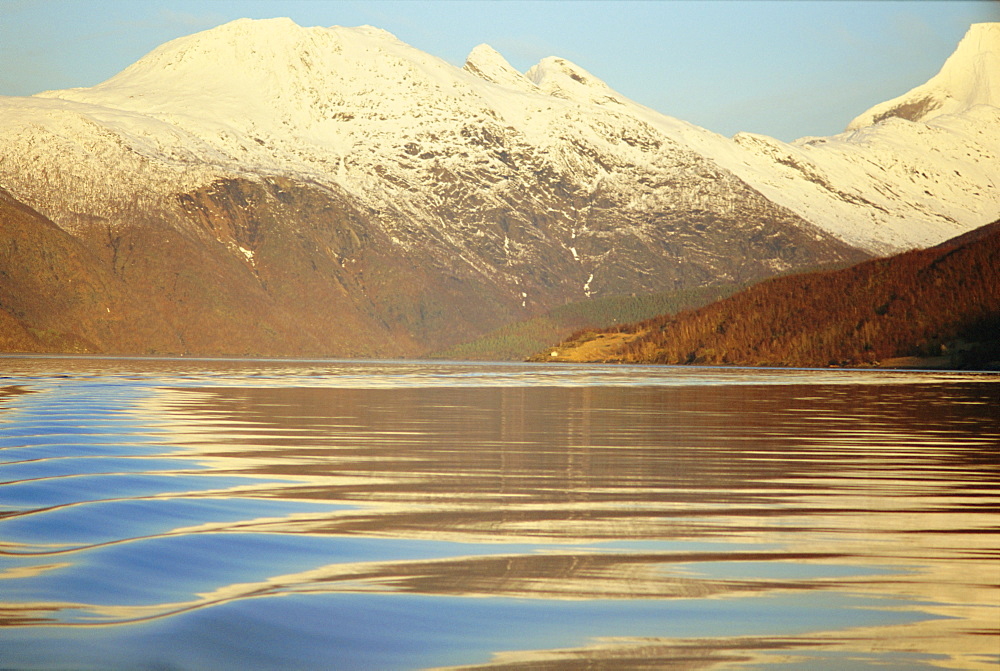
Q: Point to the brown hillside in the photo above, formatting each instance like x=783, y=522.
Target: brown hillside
x=156, y=289
x=940, y=301
x=57, y=296
x=241, y=268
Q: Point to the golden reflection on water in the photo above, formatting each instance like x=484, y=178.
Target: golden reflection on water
x=852, y=476
x=596, y=492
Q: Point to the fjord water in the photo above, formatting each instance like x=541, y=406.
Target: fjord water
x=216, y=514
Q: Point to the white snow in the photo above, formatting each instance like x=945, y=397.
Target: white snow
x=562, y=79
x=485, y=62
x=968, y=77
x=358, y=110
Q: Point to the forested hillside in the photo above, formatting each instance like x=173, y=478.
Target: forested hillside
x=938, y=302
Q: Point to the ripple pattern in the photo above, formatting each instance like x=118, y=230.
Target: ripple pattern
x=280, y=514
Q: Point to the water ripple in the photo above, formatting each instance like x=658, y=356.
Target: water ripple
x=415, y=515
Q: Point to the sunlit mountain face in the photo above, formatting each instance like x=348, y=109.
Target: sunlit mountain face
x=264, y=188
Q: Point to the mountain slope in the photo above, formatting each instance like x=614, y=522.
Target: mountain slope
x=61, y=293
x=932, y=302
x=515, y=342
x=968, y=78
x=57, y=295
x=935, y=148
x=340, y=104
x=380, y=201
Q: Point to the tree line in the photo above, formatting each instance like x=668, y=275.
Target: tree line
x=942, y=301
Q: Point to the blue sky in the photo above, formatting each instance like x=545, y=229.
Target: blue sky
x=787, y=68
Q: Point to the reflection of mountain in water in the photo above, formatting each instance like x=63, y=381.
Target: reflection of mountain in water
x=633, y=518
x=585, y=463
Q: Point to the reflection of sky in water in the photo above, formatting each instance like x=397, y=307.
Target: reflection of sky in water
x=349, y=630
x=408, y=515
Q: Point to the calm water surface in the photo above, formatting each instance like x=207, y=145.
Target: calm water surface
x=213, y=514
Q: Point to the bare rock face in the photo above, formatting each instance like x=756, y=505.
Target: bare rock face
x=266, y=189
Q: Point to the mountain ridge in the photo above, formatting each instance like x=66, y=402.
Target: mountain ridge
x=428, y=203
x=316, y=132
x=967, y=78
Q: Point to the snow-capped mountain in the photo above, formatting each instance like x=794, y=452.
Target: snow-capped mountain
x=968, y=78
x=909, y=172
x=418, y=202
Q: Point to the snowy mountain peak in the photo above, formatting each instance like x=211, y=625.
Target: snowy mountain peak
x=272, y=78
x=562, y=79
x=373, y=31
x=486, y=62
x=268, y=55
x=434, y=147
x=970, y=76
